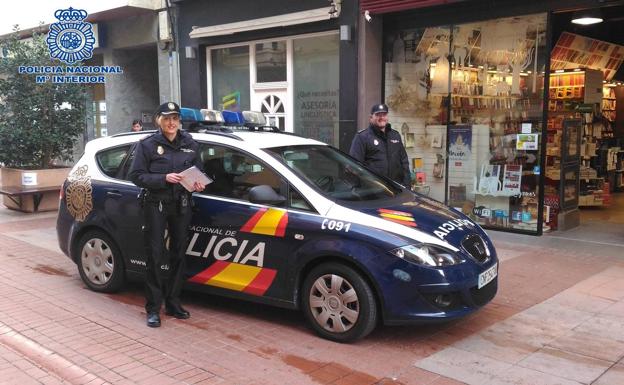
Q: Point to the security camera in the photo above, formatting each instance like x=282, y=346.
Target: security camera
x=367, y=16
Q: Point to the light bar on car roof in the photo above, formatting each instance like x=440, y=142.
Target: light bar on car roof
x=254, y=118
x=190, y=115
x=233, y=118
x=212, y=116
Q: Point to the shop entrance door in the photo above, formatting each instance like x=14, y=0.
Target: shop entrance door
x=273, y=103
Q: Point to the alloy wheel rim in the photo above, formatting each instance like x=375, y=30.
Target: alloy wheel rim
x=334, y=303
x=97, y=261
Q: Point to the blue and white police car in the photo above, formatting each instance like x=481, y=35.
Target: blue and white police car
x=288, y=221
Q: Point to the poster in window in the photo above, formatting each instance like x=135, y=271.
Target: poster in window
x=489, y=181
x=527, y=141
x=512, y=178
x=460, y=142
x=571, y=141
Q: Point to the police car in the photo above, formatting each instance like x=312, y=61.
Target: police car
x=288, y=221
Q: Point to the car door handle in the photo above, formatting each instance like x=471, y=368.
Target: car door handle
x=113, y=193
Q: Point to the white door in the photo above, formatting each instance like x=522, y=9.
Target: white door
x=273, y=103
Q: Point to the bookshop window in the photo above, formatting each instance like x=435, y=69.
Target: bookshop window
x=416, y=89
x=496, y=111
x=470, y=95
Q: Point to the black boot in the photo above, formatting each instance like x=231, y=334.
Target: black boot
x=177, y=311
x=153, y=320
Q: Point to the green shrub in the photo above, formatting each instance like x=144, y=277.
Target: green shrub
x=39, y=122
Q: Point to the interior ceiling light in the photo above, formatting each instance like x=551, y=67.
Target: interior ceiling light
x=587, y=17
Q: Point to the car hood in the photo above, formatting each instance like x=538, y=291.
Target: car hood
x=427, y=216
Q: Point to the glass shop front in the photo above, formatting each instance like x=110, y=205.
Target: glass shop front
x=468, y=100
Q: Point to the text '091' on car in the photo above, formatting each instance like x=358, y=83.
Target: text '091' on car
x=288, y=221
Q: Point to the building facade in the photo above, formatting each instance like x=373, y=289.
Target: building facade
x=296, y=61
x=491, y=97
x=500, y=103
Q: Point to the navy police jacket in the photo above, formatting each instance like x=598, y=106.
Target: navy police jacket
x=382, y=152
x=155, y=157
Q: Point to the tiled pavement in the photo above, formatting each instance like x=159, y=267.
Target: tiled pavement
x=558, y=319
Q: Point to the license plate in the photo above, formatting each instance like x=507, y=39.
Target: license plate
x=487, y=276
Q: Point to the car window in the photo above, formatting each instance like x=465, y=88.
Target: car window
x=297, y=201
x=125, y=166
x=337, y=175
x=110, y=160
x=235, y=172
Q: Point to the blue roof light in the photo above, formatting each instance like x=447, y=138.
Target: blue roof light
x=234, y=118
x=190, y=115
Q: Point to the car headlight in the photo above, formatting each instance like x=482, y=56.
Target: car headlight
x=427, y=255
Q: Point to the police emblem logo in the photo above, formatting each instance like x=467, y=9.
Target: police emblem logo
x=171, y=106
x=71, y=39
x=79, y=194
x=160, y=150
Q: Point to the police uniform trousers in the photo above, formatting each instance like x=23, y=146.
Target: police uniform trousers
x=160, y=262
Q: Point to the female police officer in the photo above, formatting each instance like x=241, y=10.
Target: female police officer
x=158, y=160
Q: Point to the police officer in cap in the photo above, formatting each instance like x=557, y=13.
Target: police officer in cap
x=381, y=149
x=158, y=160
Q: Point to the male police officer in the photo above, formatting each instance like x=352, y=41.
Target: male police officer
x=158, y=160
x=380, y=147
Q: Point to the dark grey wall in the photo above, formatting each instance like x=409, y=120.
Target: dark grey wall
x=349, y=75
x=134, y=91
x=370, y=68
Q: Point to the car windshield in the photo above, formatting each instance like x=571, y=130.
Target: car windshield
x=336, y=174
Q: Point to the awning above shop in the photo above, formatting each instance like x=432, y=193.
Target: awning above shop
x=386, y=6
x=309, y=16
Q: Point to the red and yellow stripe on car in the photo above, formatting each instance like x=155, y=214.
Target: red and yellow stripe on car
x=248, y=279
x=401, y=217
x=267, y=221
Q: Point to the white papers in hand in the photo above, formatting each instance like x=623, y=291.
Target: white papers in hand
x=192, y=175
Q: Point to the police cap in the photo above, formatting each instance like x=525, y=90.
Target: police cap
x=379, y=108
x=168, y=109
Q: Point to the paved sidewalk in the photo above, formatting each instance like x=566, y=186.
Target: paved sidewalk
x=558, y=319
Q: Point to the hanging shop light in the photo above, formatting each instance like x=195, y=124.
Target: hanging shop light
x=587, y=17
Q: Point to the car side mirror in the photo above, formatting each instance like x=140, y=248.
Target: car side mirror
x=264, y=194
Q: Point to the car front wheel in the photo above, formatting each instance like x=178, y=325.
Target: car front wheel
x=99, y=262
x=339, y=303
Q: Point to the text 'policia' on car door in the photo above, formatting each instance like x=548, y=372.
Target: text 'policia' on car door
x=237, y=244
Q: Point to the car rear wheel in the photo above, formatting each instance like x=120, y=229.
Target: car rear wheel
x=99, y=262
x=339, y=303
